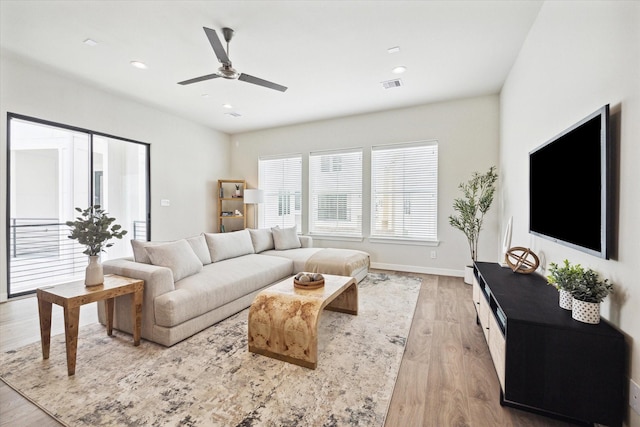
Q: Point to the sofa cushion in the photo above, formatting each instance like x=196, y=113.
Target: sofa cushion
x=285, y=238
x=140, y=252
x=218, y=284
x=199, y=246
x=299, y=256
x=178, y=256
x=229, y=245
x=262, y=239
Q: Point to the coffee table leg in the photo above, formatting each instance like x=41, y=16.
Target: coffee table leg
x=71, y=321
x=346, y=302
x=137, y=316
x=44, y=311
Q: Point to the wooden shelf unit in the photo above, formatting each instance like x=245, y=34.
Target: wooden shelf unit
x=547, y=362
x=229, y=202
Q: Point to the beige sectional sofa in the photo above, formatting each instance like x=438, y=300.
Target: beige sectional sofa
x=191, y=284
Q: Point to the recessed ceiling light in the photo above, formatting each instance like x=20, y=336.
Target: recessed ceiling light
x=394, y=49
x=227, y=106
x=139, y=64
x=90, y=42
x=205, y=95
x=399, y=70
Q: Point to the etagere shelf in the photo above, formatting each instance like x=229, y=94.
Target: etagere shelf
x=230, y=203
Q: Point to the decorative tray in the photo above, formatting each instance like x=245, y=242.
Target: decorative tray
x=308, y=280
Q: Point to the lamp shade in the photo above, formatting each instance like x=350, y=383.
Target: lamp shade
x=253, y=196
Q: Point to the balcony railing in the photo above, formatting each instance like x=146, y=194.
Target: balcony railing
x=40, y=253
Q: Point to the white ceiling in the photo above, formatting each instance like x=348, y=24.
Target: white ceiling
x=332, y=55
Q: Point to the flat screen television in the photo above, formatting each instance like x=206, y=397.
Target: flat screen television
x=570, y=186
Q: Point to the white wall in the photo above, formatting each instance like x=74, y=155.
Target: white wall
x=578, y=57
x=467, y=131
x=187, y=159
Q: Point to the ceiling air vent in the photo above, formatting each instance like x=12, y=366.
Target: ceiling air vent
x=233, y=114
x=392, y=83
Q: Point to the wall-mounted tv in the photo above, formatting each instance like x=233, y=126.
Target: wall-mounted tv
x=570, y=186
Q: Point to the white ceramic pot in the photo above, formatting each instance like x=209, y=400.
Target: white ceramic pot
x=586, y=312
x=94, y=274
x=468, y=274
x=565, y=299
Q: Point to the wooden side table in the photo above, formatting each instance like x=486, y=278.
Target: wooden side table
x=72, y=295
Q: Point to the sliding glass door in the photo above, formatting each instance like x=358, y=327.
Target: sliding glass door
x=52, y=170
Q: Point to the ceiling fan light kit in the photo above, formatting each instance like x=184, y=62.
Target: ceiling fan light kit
x=226, y=70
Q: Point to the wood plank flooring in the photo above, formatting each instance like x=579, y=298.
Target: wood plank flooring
x=446, y=378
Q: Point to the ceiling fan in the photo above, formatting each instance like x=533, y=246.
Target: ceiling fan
x=226, y=70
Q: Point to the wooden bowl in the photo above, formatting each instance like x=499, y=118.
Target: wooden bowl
x=308, y=285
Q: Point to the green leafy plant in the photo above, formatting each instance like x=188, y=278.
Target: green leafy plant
x=591, y=288
x=94, y=228
x=478, y=196
x=565, y=277
x=238, y=187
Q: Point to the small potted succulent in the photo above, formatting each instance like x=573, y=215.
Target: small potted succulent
x=565, y=278
x=94, y=228
x=237, y=190
x=587, y=295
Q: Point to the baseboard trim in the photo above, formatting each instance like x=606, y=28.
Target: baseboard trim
x=417, y=269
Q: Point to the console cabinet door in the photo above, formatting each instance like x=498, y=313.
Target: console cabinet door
x=484, y=313
x=497, y=348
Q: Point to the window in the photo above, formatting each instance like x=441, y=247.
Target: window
x=404, y=191
x=52, y=170
x=281, y=180
x=335, y=181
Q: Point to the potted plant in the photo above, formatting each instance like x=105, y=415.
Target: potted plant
x=238, y=190
x=477, y=198
x=587, y=295
x=94, y=228
x=564, y=278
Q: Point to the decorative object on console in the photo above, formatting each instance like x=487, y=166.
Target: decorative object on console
x=478, y=195
x=564, y=278
x=506, y=242
x=522, y=260
x=588, y=293
x=254, y=196
x=94, y=228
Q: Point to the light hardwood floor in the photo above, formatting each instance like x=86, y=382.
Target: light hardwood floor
x=446, y=378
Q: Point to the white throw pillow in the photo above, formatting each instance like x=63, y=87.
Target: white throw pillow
x=262, y=239
x=199, y=246
x=140, y=251
x=229, y=245
x=285, y=238
x=178, y=256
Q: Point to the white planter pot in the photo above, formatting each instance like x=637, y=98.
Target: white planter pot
x=565, y=299
x=94, y=274
x=468, y=274
x=586, y=312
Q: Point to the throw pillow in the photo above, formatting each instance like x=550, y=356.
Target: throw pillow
x=199, y=246
x=178, y=256
x=285, y=238
x=262, y=239
x=140, y=252
x=229, y=245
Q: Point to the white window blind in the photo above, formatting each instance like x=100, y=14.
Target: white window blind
x=335, y=182
x=404, y=191
x=281, y=180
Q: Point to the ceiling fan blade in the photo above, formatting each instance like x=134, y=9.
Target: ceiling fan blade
x=257, y=81
x=199, y=79
x=217, y=46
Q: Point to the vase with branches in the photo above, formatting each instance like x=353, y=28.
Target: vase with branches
x=93, y=229
x=477, y=197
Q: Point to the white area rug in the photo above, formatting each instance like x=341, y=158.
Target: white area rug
x=211, y=379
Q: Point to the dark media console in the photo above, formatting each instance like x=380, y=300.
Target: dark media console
x=547, y=362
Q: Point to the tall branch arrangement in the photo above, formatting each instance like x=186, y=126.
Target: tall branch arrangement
x=477, y=197
x=94, y=229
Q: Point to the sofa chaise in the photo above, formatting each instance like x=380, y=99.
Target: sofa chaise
x=193, y=283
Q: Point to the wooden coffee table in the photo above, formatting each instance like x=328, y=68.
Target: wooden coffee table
x=283, y=320
x=74, y=294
